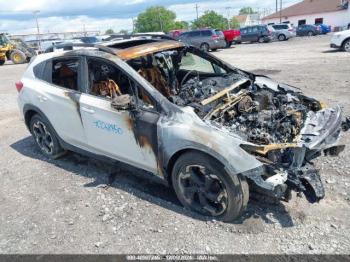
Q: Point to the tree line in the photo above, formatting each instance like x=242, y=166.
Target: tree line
x=161, y=19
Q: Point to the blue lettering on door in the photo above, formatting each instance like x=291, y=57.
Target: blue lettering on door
x=108, y=127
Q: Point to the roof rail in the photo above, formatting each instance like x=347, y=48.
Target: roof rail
x=69, y=46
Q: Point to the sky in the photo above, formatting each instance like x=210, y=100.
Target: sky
x=17, y=16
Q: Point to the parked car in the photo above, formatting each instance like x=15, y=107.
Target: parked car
x=324, y=29
x=256, y=33
x=87, y=39
x=341, y=40
x=174, y=34
x=232, y=36
x=308, y=30
x=204, y=39
x=199, y=124
x=283, y=32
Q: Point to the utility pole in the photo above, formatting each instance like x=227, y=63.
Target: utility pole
x=280, y=11
x=35, y=13
x=228, y=16
x=197, y=10
x=276, y=6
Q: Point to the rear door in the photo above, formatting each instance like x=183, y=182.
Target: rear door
x=244, y=34
x=57, y=96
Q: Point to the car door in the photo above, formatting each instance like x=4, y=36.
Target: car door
x=57, y=96
x=128, y=135
x=252, y=34
x=244, y=33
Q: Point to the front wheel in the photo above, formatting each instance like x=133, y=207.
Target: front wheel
x=18, y=57
x=2, y=62
x=45, y=137
x=202, y=184
x=346, y=45
x=228, y=44
x=310, y=33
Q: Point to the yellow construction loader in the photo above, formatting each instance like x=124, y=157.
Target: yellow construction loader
x=15, y=50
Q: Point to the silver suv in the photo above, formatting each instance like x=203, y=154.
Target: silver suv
x=211, y=131
x=205, y=39
x=283, y=32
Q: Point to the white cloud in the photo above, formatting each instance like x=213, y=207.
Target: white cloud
x=73, y=15
x=187, y=12
x=63, y=24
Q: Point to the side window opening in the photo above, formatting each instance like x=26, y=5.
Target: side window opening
x=107, y=80
x=65, y=73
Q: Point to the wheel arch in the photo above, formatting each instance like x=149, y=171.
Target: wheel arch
x=282, y=34
x=344, y=41
x=170, y=163
x=29, y=111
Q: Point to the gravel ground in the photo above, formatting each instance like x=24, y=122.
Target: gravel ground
x=63, y=206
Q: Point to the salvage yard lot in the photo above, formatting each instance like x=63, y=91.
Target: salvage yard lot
x=63, y=206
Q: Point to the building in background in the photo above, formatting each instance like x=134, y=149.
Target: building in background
x=335, y=13
x=247, y=20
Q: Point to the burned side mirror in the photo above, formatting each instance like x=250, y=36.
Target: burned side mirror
x=123, y=102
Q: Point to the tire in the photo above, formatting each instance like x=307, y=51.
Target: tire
x=45, y=137
x=204, y=47
x=310, y=33
x=346, y=45
x=202, y=185
x=2, y=62
x=18, y=57
x=282, y=37
x=261, y=40
x=228, y=44
x=215, y=49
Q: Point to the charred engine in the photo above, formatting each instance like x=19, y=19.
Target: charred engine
x=259, y=115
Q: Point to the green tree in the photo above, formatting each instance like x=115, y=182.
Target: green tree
x=180, y=25
x=211, y=19
x=235, y=23
x=109, y=31
x=123, y=32
x=154, y=19
x=246, y=11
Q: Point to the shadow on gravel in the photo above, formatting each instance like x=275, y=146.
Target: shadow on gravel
x=146, y=186
x=330, y=51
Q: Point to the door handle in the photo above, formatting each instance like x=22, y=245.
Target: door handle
x=88, y=110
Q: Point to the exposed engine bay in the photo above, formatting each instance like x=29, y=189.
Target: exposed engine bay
x=282, y=128
x=231, y=100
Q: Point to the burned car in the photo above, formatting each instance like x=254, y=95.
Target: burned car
x=211, y=131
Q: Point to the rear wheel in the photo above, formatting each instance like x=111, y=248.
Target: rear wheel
x=202, y=185
x=261, y=40
x=346, y=45
x=2, y=62
x=45, y=137
x=204, y=47
x=18, y=57
x=310, y=33
x=228, y=44
x=282, y=37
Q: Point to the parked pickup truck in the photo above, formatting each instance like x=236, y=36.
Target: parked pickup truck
x=232, y=36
